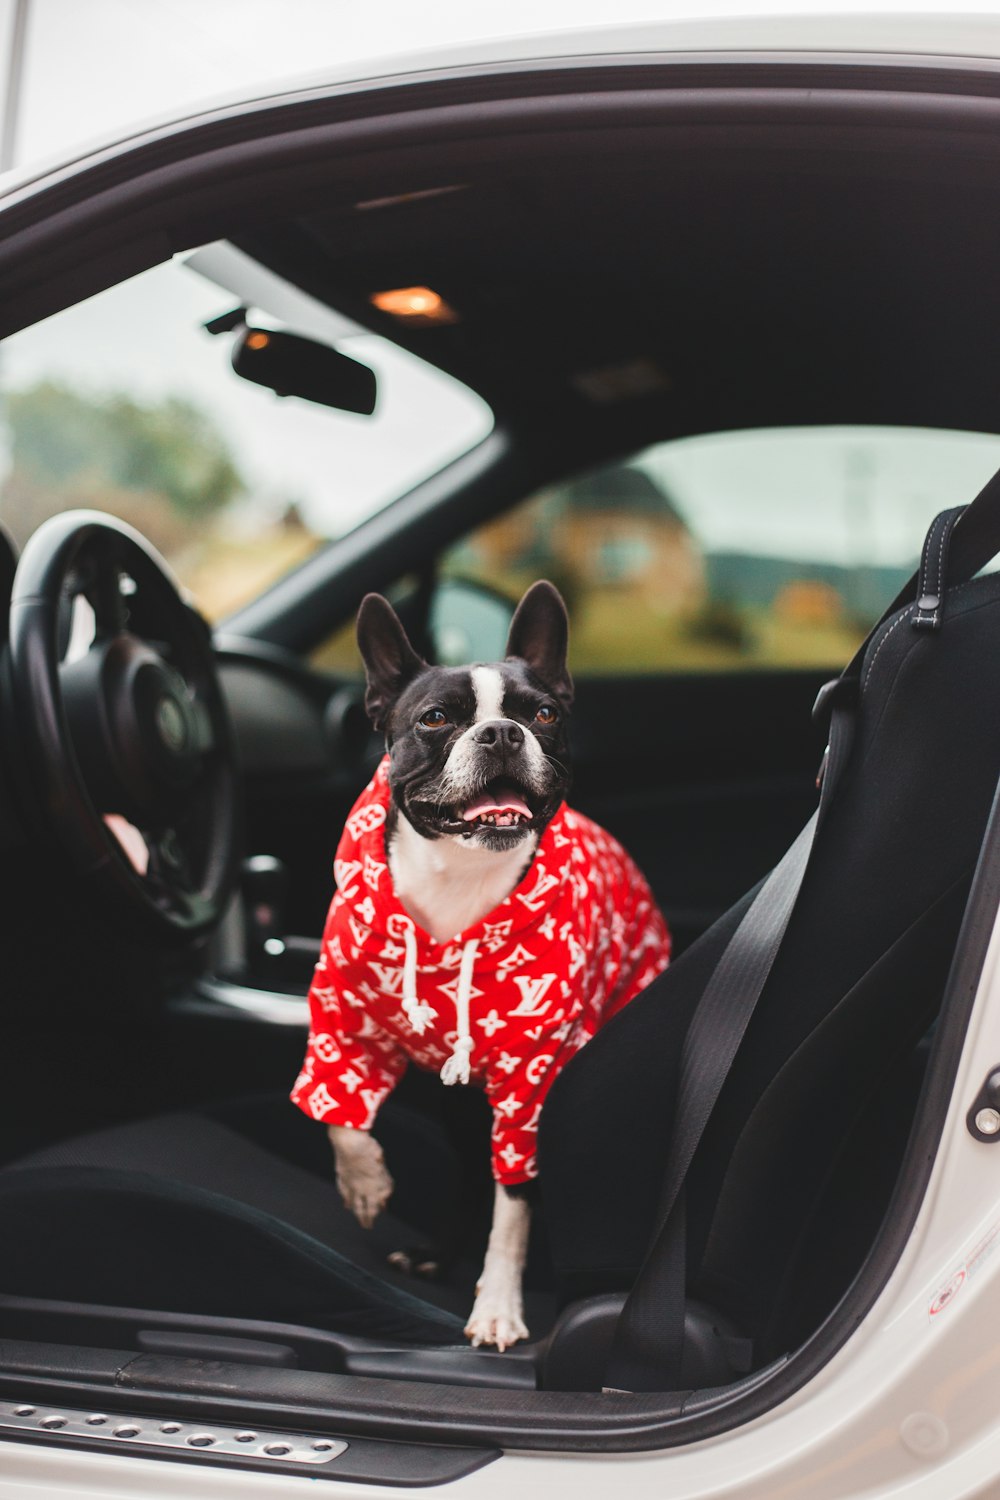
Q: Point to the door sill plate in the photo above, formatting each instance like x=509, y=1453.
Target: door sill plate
x=24, y=1418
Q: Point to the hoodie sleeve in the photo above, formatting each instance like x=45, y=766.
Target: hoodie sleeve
x=351, y=1065
x=516, y=1088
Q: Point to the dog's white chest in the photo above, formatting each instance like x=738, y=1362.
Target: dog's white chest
x=447, y=886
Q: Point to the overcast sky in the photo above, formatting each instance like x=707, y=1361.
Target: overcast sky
x=96, y=67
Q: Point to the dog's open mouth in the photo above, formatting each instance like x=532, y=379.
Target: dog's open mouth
x=500, y=805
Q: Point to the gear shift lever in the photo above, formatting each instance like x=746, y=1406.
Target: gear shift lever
x=264, y=889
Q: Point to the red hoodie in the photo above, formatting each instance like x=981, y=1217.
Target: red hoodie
x=506, y=1003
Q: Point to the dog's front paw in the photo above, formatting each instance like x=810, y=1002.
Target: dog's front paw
x=496, y=1320
x=362, y=1175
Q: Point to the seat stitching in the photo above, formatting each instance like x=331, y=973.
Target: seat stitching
x=939, y=581
x=957, y=588
x=871, y=666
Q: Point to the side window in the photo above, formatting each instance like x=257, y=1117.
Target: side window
x=732, y=551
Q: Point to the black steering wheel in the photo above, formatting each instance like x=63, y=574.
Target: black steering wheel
x=123, y=723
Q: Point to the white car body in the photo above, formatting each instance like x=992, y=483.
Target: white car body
x=909, y=1404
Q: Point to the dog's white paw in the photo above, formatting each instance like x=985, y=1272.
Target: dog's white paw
x=496, y=1320
x=362, y=1176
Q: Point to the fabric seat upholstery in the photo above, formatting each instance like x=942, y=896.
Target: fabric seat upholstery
x=857, y=983
x=182, y=1213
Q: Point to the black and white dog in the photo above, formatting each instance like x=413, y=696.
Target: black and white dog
x=479, y=923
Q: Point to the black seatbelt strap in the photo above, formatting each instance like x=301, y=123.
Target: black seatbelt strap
x=648, y=1344
x=649, y=1338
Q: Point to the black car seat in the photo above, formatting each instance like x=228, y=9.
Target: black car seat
x=158, y=1213
x=856, y=982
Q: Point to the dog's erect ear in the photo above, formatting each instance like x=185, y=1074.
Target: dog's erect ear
x=539, y=635
x=390, y=661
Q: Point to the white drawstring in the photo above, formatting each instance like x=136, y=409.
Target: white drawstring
x=418, y=1012
x=456, y=1068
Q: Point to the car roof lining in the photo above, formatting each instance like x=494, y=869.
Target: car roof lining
x=762, y=292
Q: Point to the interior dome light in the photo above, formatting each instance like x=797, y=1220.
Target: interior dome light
x=416, y=303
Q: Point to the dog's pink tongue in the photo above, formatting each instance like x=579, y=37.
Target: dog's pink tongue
x=489, y=804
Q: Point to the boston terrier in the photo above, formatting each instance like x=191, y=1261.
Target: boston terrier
x=480, y=927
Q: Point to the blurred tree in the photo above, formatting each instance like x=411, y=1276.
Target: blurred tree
x=163, y=466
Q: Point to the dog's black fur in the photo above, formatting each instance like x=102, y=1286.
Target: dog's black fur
x=403, y=689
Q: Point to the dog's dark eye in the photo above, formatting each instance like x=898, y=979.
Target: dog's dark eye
x=546, y=714
x=434, y=718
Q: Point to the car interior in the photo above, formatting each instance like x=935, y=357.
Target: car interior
x=616, y=272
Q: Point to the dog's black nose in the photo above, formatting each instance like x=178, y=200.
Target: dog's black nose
x=501, y=734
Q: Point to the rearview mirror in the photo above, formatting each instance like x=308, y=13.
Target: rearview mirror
x=295, y=366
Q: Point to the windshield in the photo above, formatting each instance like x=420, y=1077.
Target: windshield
x=126, y=403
